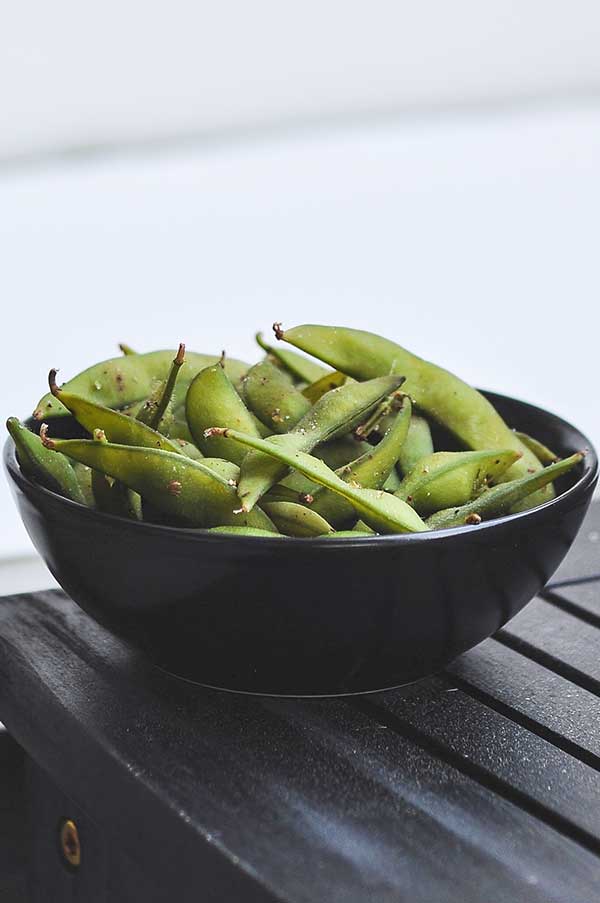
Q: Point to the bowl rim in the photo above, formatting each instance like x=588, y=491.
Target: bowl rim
x=195, y=534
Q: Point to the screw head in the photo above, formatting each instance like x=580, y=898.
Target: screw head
x=70, y=846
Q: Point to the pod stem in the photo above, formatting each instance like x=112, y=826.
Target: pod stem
x=371, y=424
x=126, y=349
x=52, y=382
x=47, y=442
x=278, y=330
x=167, y=392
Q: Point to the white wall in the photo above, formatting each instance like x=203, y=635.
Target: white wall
x=81, y=74
x=470, y=236
x=472, y=241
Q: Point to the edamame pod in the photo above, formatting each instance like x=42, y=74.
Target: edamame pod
x=500, y=499
x=272, y=398
x=244, y=531
x=379, y=415
x=393, y=481
x=541, y=451
x=293, y=519
x=117, y=427
x=154, y=409
x=447, y=479
x=178, y=428
x=334, y=414
x=83, y=475
x=341, y=451
x=112, y=496
x=37, y=463
x=188, y=449
x=361, y=527
x=301, y=368
x=225, y=469
x=383, y=512
x=213, y=399
x=348, y=534
x=122, y=381
x=183, y=489
x=418, y=444
x=370, y=471
x=325, y=384
x=439, y=393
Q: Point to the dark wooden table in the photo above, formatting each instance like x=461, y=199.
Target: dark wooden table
x=481, y=784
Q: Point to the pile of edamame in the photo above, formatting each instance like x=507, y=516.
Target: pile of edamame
x=353, y=437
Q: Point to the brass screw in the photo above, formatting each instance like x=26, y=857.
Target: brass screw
x=70, y=846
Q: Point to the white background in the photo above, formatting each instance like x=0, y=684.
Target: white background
x=430, y=173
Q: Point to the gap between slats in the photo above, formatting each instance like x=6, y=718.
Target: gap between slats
x=479, y=774
x=572, y=608
x=525, y=721
x=548, y=661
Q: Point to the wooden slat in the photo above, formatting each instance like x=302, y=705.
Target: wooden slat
x=558, y=640
x=254, y=800
x=557, y=709
x=507, y=756
x=581, y=599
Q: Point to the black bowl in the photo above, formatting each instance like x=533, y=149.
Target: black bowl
x=309, y=616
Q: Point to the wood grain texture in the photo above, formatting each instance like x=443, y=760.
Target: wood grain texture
x=512, y=760
x=558, y=640
x=580, y=599
x=541, y=700
x=255, y=799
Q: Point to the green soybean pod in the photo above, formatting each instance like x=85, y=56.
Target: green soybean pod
x=301, y=368
x=500, y=499
x=419, y=444
x=101, y=483
x=293, y=519
x=380, y=415
x=361, y=527
x=282, y=493
x=117, y=427
x=37, y=463
x=83, y=475
x=122, y=381
x=111, y=496
x=225, y=469
x=154, y=411
x=188, y=449
x=326, y=383
x=370, y=471
x=333, y=415
x=446, y=479
x=245, y=531
x=213, y=399
x=348, y=534
x=338, y=452
x=272, y=398
x=381, y=511
x=541, y=451
x=438, y=393
x=185, y=490
x=178, y=428
x=392, y=484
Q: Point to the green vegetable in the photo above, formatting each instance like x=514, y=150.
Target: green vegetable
x=381, y=511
